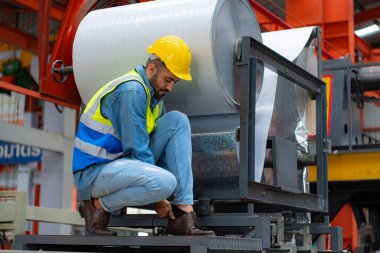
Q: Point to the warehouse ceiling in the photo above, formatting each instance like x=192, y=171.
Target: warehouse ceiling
x=19, y=18
x=367, y=12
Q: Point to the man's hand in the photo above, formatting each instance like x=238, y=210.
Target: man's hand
x=164, y=209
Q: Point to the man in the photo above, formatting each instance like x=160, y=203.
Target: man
x=129, y=152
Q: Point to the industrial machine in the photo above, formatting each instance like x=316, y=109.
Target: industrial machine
x=355, y=147
x=258, y=121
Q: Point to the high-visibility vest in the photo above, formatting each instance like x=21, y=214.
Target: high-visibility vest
x=96, y=140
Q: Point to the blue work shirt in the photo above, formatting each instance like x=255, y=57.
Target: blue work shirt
x=125, y=107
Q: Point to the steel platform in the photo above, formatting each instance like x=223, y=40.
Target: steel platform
x=192, y=244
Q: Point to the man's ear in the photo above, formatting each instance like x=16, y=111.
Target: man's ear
x=150, y=70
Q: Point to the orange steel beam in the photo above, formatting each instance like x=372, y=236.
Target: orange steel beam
x=264, y=17
x=62, y=50
x=55, y=13
x=36, y=94
x=375, y=94
x=369, y=54
x=18, y=39
x=375, y=55
x=367, y=15
x=363, y=47
x=43, y=40
x=336, y=18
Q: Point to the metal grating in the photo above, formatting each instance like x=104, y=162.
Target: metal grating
x=230, y=243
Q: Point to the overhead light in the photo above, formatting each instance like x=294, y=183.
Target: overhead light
x=367, y=30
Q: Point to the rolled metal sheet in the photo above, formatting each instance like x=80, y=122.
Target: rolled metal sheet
x=215, y=163
x=215, y=157
x=284, y=109
x=293, y=103
x=110, y=42
x=215, y=150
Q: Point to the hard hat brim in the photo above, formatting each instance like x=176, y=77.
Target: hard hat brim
x=186, y=77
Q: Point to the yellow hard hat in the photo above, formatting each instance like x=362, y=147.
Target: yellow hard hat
x=175, y=53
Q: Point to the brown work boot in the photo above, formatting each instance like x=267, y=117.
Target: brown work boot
x=186, y=225
x=96, y=220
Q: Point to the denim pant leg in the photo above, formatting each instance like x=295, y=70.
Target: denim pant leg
x=126, y=182
x=171, y=147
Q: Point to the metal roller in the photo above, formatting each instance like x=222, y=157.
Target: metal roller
x=370, y=78
x=110, y=42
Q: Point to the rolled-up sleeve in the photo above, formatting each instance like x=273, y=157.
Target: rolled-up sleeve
x=125, y=107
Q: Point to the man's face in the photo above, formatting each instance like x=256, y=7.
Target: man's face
x=162, y=81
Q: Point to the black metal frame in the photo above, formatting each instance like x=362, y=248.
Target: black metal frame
x=254, y=55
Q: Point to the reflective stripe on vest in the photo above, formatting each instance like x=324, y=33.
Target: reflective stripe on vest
x=94, y=120
x=94, y=150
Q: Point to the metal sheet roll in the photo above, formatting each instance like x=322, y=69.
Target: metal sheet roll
x=293, y=108
x=110, y=42
x=215, y=151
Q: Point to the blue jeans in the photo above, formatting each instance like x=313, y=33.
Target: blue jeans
x=127, y=182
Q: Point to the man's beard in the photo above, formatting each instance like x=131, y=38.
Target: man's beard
x=153, y=82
